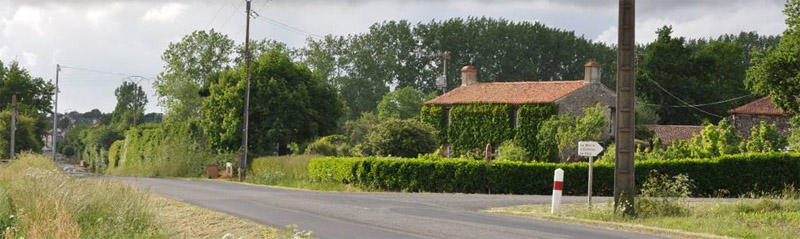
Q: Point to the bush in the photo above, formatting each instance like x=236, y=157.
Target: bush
x=511, y=152
x=274, y=170
x=331, y=145
x=662, y=195
x=25, y=134
x=738, y=174
x=765, y=138
x=404, y=138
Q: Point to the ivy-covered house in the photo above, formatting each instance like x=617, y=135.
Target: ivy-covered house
x=477, y=113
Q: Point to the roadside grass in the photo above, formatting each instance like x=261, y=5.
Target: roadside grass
x=766, y=217
x=290, y=171
x=38, y=201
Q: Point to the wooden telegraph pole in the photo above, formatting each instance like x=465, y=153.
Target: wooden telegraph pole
x=13, y=125
x=624, y=185
x=243, y=159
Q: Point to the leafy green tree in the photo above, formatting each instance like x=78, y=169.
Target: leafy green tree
x=510, y=151
x=765, y=138
x=566, y=130
x=25, y=134
x=356, y=132
x=189, y=63
x=402, y=103
x=288, y=104
x=776, y=72
x=646, y=113
x=129, y=111
x=33, y=97
x=403, y=138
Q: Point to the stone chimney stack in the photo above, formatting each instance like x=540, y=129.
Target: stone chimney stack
x=469, y=75
x=593, y=72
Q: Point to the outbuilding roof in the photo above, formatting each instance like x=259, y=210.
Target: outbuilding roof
x=525, y=92
x=763, y=106
x=669, y=133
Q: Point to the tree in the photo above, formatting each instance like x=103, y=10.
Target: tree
x=288, y=104
x=33, y=97
x=403, y=138
x=25, y=134
x=403, y=103
x=765, y=138
x=566, y=130
x=776, y=72
x=188, y=64
x=129, y=111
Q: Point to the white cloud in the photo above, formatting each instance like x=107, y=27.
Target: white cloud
x=30, y=16
x=30, y=58
x=166, y=13
x=3, y=51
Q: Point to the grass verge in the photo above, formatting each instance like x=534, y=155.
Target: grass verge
x=38, y=201
x=290, y=171
x=768, y=217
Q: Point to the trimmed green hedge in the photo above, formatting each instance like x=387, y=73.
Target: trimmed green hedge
x=733, y=174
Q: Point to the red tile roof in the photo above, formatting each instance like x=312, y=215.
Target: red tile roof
x=509, y=92
x=669, y=133
x=763, y=106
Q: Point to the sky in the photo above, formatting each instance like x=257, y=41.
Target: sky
x=116, y=38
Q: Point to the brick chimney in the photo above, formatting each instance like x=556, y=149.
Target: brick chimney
x=469, y=75
x=593, y=72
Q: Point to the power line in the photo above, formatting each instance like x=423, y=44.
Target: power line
x=235, y=10
x=102, y=72
x=680, y=100
x=288, y=27
x=705, y=104
x=216, y=14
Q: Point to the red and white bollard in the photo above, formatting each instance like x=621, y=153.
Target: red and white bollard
x=558, y=186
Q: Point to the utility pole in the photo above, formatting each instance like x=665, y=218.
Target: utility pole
x=624, y=185
x=13, y=125
x=243, y=159
x=55, y=114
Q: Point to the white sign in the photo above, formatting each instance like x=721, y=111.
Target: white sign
x=589, y=148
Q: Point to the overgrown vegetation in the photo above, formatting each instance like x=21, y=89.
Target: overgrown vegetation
x=289, y=171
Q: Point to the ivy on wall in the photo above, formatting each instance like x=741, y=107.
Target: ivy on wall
x=530, y=119
x=436, y=116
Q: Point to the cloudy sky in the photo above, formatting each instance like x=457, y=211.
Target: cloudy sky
x=128, y=37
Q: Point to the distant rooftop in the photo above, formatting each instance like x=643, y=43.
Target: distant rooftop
x=763, y=106
x=525, y=92
x=669, y=133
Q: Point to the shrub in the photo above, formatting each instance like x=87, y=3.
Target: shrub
x=404, y=138
x=512, y=152
x=765, y=138
x=331, y=145
x=662, y=195
x=25, y=134
x=402, y=103
x=738, y=174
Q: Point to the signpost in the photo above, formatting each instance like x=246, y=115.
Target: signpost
x=589, y=149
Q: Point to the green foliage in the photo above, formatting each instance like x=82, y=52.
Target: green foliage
x=794, y=139
x=331, y=145
x=33, y=99
x=403, y=138
x=767, y=173
x=776, y=72
x=189, y=63
x=701, y=73
x=765, y=138
x=356, y=132
x=713, y=141
x=530, y=118
x=645, y=113
x=402, y=103
x=473, y=126
x=288, y=104
x=164, y=150
x=129, y=111
x=435, y=116
x=512, y=152
x=25, y=134
x=568, y=129
x=115, y=153
x=279, y=170
x=662, y=195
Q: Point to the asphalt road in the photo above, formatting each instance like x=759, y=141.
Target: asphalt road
x=375, y=215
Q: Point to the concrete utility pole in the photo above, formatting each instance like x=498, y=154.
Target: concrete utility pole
x=624, y=185
x=13, y=125
x=55, y=114
x=243, y=159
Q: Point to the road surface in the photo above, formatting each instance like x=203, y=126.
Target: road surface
x=375, y=215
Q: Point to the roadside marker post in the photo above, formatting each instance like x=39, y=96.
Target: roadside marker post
x=558, y=187
x=590, y=149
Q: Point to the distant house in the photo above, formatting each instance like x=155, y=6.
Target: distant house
x=749, y=115
x=570, y=97
x=670, y=133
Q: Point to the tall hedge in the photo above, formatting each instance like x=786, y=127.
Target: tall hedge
x=530, y=118
x=475, y=125
x=730, y=175
x=436, y=116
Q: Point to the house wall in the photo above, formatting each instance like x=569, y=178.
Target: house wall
x=745, y=122
x=589, y=96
